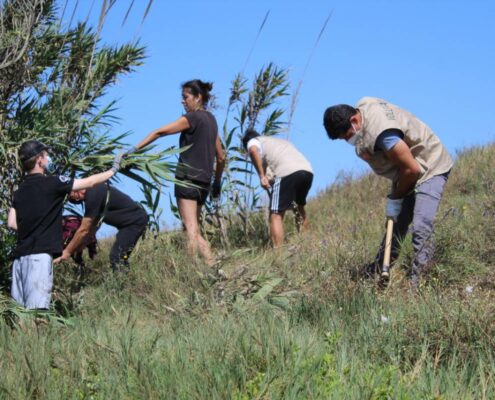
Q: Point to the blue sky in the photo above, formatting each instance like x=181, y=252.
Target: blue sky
x=433, y=58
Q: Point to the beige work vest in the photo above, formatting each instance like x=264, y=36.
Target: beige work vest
x=378, y=115
x=281, y=158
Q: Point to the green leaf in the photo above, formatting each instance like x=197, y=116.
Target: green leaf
x=267, y=288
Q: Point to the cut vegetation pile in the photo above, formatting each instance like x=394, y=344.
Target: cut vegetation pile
x=293, y=324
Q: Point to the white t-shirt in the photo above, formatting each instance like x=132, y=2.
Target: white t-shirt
x=256, y=143
x=280, y=157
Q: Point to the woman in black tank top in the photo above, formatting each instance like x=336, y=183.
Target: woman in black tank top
x=199, y=130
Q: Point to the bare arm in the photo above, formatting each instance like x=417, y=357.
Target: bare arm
x=174, y=127
x=220, y=156
x=12, y=219
x=400, y=155
x=92, y=180
x=78, y=241
x=255, y=155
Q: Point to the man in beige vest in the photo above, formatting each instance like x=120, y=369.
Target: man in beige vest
x=285, y=174
x=400, y=147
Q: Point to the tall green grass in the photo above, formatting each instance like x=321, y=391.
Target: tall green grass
x=297, y=323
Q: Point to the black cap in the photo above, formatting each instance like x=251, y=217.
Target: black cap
x=30, y=149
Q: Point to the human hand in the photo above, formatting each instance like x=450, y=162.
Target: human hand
x=216, y=188
x=65, y=256
x=116, y=162
x=393, y=208
x=265, y=183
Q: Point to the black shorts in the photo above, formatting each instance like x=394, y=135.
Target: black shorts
x=199, y=193
x=289, y=189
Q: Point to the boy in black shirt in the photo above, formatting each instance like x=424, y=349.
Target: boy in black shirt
x=36, y=214
x=104, y=203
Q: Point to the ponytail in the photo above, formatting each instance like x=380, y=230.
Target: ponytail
x=198, y=87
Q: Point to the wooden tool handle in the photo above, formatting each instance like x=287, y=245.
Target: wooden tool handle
x=388, y=242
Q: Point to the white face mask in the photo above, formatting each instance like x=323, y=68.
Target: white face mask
x=49, y=164
x=353, y=140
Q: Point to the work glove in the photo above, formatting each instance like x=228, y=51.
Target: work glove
x=129, y=151
x=216, y=188
x=393, y=208
x=116, y=162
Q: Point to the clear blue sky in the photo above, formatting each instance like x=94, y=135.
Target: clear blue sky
x=433, y=58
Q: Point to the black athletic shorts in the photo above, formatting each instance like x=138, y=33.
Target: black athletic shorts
x=289, y=189
x=199, y=193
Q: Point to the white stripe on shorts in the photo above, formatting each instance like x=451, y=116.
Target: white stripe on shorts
x=276, y=194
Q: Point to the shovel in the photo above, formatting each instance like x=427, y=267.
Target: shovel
x=385, y=273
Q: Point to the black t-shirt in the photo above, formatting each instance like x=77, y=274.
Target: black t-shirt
x=38, y=204
x=196, y=163
x=121, y=210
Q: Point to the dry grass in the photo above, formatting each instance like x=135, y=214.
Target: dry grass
x=283, y=324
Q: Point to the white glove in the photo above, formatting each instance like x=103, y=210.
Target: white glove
x=393, y=208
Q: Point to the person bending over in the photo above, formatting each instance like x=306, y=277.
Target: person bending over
x=104, y=203
x=400, y=147
x=287, y=176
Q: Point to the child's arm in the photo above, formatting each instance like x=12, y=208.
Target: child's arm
x=12, y=219
x=92, y=180
x=96, y=179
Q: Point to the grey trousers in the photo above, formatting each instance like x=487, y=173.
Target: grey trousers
x=418, y=211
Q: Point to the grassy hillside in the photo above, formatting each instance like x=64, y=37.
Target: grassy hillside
x=291, y=324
